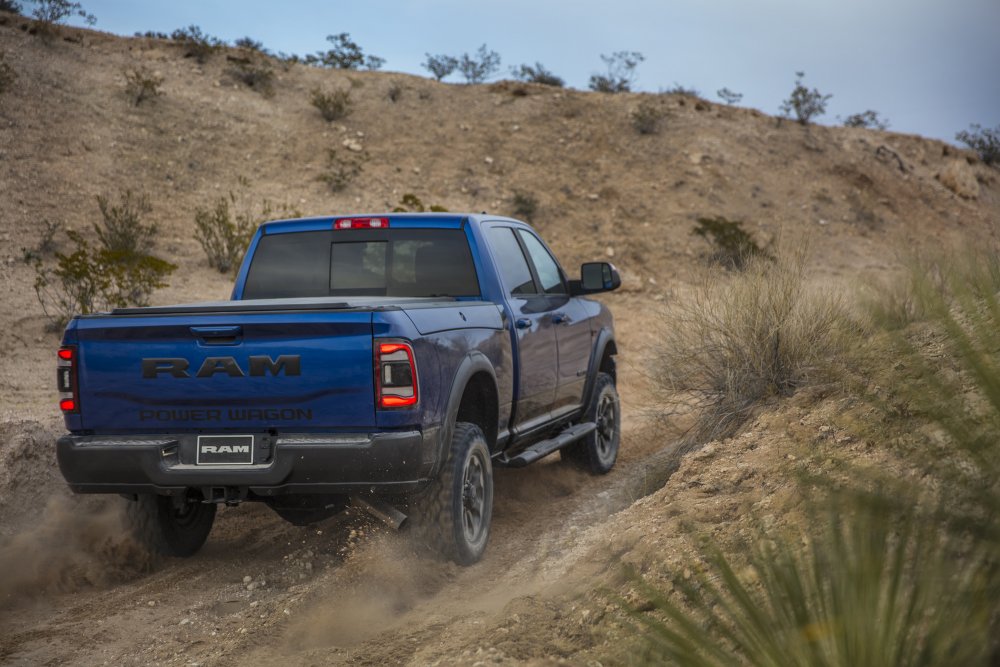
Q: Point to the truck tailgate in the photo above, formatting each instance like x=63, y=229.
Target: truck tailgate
x=288, y=371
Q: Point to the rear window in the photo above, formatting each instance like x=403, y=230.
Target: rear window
x=364, y=262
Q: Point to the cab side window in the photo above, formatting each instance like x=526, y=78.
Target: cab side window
x=546, y=267
x=514, y=269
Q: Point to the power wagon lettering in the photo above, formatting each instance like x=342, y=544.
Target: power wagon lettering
x=259, y=366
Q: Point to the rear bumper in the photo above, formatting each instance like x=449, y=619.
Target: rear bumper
x=382, y=463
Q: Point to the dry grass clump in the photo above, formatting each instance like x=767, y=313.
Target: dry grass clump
x=142, y=84
x=332, y=105
x=740, y=338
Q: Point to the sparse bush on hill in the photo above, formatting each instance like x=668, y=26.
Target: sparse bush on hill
x=251, y=44
x=142, y=84
x=344, y=54
x=121, y=229
x=225, y=230
x=680, y=89
x=537, y=74
x=254, y=71
x=869, y=119
x=152, y=34
x=480, y=66
x=10, y=6
x=332, y=105
x=647, y=116
x=525, y=205
x=804, y=103
x=730, y=97
x=395, y=91
x=7, y=74
x=197, y=44
x=984, y=141
x=732, y=246
x=116, y=273
x=439, y=66
x=49, y=14
x=342, y=167
x=740, y=338
x=46, y=243
x=411, y=203
x=620, y=75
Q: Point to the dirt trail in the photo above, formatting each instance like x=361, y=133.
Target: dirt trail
x=345, y=591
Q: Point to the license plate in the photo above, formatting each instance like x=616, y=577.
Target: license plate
x=225, y=450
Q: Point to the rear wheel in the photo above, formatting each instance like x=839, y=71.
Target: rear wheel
x=170, y=527
x=454, y=514
x=598, y=451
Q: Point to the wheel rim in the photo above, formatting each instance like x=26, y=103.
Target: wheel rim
x=473, y=498
x=606, y=426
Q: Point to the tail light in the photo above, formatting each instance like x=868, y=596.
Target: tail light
x=396, y=375
x=66, y=380
x=361, y=223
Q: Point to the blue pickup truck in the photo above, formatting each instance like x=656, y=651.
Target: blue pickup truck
x=392, y=360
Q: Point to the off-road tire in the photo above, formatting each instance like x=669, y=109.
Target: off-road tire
x=598, y=451
x=163, y=529
x=453, y=515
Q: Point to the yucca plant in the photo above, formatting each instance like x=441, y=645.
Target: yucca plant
x=864, y=591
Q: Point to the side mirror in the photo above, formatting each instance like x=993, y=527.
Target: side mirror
x=596, y=277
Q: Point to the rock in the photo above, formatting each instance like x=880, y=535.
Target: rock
x=247, y=579
x=609, y=251
x=958, y=177
x=488, y=160
x=352, y=145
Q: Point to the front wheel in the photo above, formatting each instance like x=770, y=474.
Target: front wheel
x=454, y=514
x=168, y=527
x=598, y=451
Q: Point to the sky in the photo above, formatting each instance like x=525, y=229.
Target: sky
x=931, y=67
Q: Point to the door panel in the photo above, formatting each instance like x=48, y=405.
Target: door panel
x=574, y=341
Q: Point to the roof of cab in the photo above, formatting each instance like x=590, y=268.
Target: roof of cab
x=440, y=220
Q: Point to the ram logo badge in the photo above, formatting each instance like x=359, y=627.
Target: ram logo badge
x=258, y=366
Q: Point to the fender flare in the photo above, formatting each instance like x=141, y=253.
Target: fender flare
x=604, y=338
x=474, y=362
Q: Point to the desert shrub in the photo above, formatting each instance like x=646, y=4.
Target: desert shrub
x=142, y=84
x=646, y=117
x=525, y=205
x=984, y=141
x=121, y=229
x=620, y=75
x=537, y=74
x=741, y=338
x=254, y=72
x=804, y=103
x=411, y=203
x=344, y=54
x=480, y=66
x=224, y=231
x=46, y=243
x=857, y=586
x=7, y=74
x=680, y=89
x=869, y=119
x=342, y=167
x=251, y=44
x=730, y=97
x=395, y=91
x=732, y=246
x=10, y=6
x=152, y=34
x=50, y=13
x=439, y=66
x=332, y=105
x=196, y=44
x=117, y=272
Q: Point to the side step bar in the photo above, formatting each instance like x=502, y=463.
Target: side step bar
x=546, y=447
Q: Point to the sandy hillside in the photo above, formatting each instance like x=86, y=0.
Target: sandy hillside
x=73, y=590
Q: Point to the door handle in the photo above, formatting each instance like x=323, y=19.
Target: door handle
x=561, y=318
x=523, y=323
